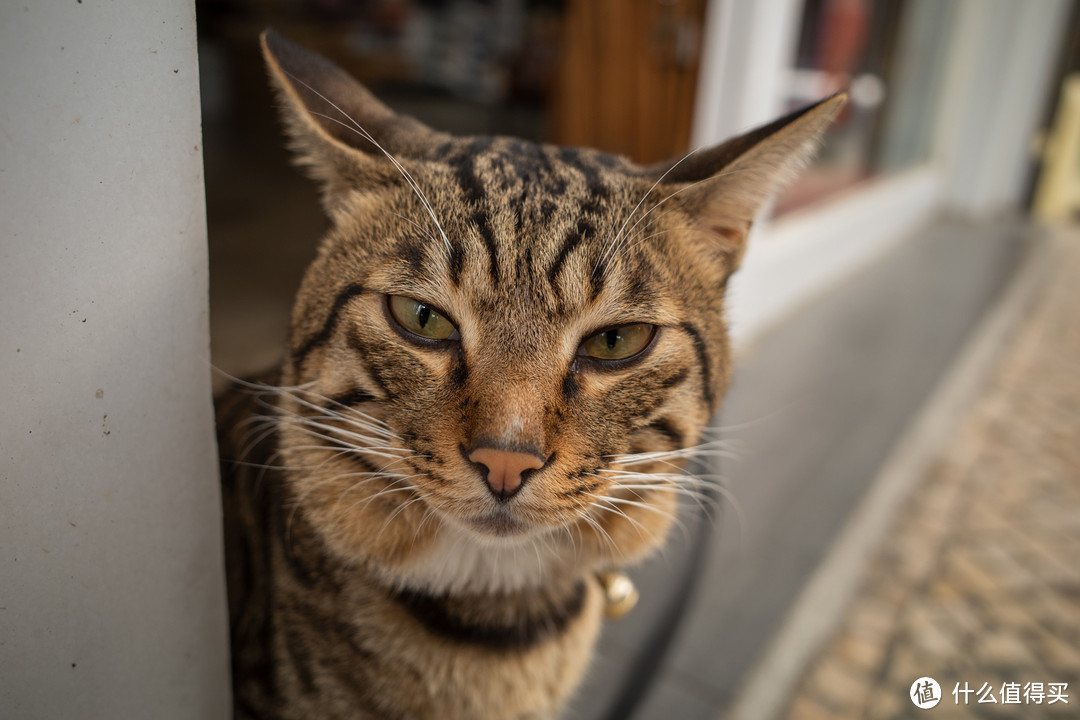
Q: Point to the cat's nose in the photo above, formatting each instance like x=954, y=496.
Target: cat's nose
x=504, y=470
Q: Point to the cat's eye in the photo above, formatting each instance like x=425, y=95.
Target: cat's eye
x=618, y=343
x=420, y=318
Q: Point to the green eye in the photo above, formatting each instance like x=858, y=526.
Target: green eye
x=618, y=342
x=420, y=318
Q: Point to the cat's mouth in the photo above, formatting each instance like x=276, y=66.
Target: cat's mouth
x=499, y=523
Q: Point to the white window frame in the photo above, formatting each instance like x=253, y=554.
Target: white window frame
x=986, y=114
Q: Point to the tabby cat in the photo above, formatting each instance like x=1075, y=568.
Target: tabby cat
x=497, y=363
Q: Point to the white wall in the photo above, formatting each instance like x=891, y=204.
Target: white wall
x=111, y=582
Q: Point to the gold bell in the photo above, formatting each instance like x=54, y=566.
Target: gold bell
x=620, y=595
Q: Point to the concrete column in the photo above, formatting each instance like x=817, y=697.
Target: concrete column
x=112, y=601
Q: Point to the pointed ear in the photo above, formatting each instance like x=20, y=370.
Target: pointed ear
x=339, y=131
x=723, y=188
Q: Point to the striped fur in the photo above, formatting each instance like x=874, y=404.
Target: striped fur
x=371, y=572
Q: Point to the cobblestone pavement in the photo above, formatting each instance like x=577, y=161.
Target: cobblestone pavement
x=979, y=581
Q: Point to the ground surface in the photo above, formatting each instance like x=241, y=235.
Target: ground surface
x=978, y=585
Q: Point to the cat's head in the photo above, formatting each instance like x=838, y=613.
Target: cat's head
x=502, y=344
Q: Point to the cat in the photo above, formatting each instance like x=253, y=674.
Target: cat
x=497, y=364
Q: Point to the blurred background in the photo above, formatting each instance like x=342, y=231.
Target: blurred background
x=949, y=101
x=900, y=481
x=863, y=287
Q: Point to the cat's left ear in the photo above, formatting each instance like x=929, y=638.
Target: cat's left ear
x=340, y=132
x=723, y=188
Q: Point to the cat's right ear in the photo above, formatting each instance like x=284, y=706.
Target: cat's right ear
x=339, y=131
x=724, y=188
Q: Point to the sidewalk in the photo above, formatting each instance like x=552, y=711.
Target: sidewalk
x=978, y=582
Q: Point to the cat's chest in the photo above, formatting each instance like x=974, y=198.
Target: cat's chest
x=460, y=562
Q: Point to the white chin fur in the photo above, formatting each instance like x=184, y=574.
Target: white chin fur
x=463, y=561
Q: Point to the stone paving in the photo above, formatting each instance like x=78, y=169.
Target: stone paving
x=979, y=581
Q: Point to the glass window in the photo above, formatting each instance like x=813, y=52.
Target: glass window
x=888, y=55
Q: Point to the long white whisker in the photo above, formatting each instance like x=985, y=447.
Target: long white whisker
x=615, y=246
x=400, y=168
x=603, y=256
x=601, y=504
x=359, y=130
x=596, y=526
x=400, y=508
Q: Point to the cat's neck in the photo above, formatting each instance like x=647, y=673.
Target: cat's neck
x=460, y=562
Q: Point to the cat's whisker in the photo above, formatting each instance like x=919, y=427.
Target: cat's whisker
x=359, y=130
x=679, y=484
x=740, y=515
x=672, y=517
x=671, y=488
x=609, y=250
x=428, y=513
x=349, y=442
x=673, y=467
x=423, y=230
x=353, y=418
x=352, y=415
x=633, y=239
x=385, y=471
x=342, y=447
x=603, y=534
x=355, y=435
x=713, y=448
x=706, y=497
x=323, y=422
x=602, y=503
x=675, y=485
x=552, y=542
x=703, y=499
x=679, y=478
x=397, y=511
x=539, y=560
x=322, y=482
x=298, y=501
x=256, y=386
x=640, y=238
x=632, y=503
x=352, y=444
x=364, y=502
x=573, y=543
x=615, y=245
x=266, y=465
x=255, y=436
x=737, y=444
x=385, y=474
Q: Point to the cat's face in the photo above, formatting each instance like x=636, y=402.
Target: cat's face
x=502, y=341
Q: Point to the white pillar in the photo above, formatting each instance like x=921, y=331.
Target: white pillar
x=996, y=89
x=748, y=49
x=112, y=600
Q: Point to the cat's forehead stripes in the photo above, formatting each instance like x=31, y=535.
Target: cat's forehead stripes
x=529, y=217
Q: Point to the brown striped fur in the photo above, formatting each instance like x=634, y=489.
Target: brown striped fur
x=372, y=574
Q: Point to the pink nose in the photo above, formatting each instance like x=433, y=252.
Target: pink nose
x=504, y=468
